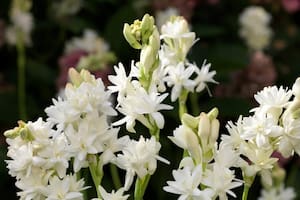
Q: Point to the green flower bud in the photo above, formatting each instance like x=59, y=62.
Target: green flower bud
x=130, y=37
x=75, y=77
x=12, y=133
x=213, y=114
x=147, y=25
x=190, y=121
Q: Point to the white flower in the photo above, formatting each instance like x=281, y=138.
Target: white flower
x=118, y=195
x=178, y=37
x=272, y=100
x=179, y=77
x=35, y=185
x=164, y=15
x=89, y=98
x=56, y=155
x=234, y=139
x=139, y=157
x=87, y=139
x=22, y=22
x=65, y=189
x=260, y=129
x=221, y=180
x=290, y=140
x=121, y=82
x=255, y=27
x=112, y=144
x=204, y=76
x=279, y=193
x=90, y=42
x=185, y=138
x=260, y=158
x=186, y=184
x=138, y=103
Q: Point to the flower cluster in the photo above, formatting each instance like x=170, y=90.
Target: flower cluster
x=204, y=171
x=255, y=27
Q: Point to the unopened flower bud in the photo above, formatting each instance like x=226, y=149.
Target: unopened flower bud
x=204, y=128
x=214, y=131
x=190, y=121
x=147, y=25
x=213, y=114
x=75, y=77
x=130, y=37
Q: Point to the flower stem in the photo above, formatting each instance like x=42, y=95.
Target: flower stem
x=248, y=182
x=21, y=60
x=115, y=176
x=182, y=102
x=96, y=173
x=140, y=187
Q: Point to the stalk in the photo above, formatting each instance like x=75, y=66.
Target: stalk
x=21, y=60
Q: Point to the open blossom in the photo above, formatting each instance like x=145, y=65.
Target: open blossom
x=135, y=102
x=118, y=195
x=221, y=180
x=204, y=76
x=88, y=98
x=186, y=184
x=255, y=28
x=179, y=77
x=139, y=157
x=67, y=188
x=279, y=193
x=272, y=100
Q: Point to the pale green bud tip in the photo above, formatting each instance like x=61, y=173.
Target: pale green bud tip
x=213, y=114
x=190, y=121
x=296, y=88
x=130, y=37
x=12, y=133
x=75, y=77
x=204, y=127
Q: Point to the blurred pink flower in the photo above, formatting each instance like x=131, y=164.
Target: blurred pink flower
x=282, y=161
x=71, y=60
x=246, y=82
x=291, y=6
x=65, y=62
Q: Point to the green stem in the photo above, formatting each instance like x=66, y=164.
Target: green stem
x=245, y=192
x=155, y=131
x=96, y=173
x=140, y=187
x=115, y=176
x=182, y=102
x=248, y=180
x=21, y=60
x=194, y=103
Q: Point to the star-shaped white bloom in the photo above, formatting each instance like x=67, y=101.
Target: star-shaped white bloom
x=204, y=76
x=179, y=77
x=221, y=180
x=139, y=157
x=279, y=193
x=118, y=195
x=65, y=189
x=272, y=100
x=186, y=184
